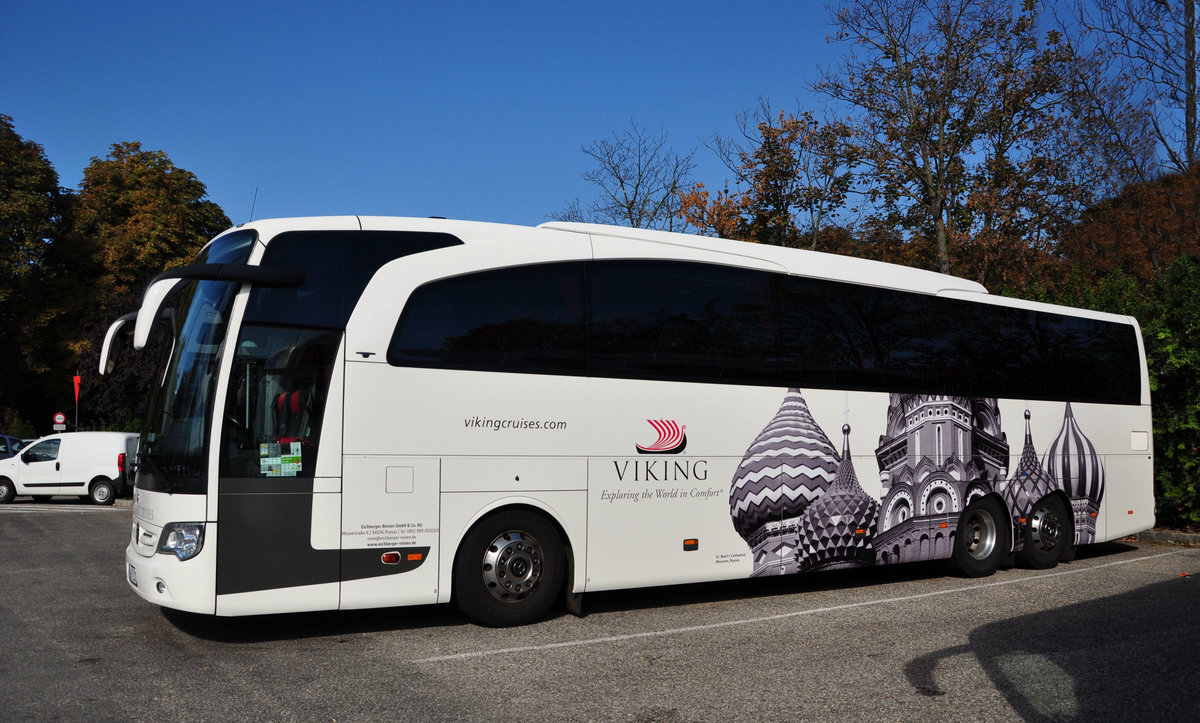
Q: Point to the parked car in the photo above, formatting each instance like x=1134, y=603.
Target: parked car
x=88, y=464
x=10, y=445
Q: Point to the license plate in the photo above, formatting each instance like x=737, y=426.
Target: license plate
x=132, y=576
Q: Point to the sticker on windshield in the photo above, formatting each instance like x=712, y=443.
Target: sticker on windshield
x=279, y=459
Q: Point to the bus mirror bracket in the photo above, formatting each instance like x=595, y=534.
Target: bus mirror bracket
x=236, y=273
x=118, y=334
x=163, y=284
x=152, y=301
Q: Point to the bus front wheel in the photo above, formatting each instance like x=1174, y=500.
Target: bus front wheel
x=509, y=569
x=982, y=538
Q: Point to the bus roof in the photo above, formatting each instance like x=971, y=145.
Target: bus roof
x=795, y=261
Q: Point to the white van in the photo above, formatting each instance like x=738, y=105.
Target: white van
x=90, y=465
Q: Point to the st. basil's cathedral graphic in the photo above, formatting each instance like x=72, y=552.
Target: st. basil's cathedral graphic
x=938, y=455
x=799, y=505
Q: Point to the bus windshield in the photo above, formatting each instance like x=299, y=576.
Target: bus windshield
x=173, y=456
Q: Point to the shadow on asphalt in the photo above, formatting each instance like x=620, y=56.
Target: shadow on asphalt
x=1087, y=661
x=297, y=626
x=294, y=626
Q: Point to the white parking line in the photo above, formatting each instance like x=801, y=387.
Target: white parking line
x=771, y=618
x=62, y=508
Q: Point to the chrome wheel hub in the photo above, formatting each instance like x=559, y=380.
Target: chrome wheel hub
x=980, y=535
x=512, y=566
x=1044, y=528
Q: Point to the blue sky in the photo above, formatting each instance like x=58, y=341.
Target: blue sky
x=466, y=110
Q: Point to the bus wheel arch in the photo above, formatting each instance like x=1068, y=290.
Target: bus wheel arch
x=983, y=537
x=1048, y=531
x=102, y=491
x=511, y=567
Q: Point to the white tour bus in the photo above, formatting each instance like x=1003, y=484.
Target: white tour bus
x=355, y=412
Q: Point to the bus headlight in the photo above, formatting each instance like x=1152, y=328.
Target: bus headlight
x=182, y=539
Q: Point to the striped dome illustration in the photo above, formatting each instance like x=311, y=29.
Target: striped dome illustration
x=1029, y=482
x=1072, y=462
x=837, y=529
x=789, y=464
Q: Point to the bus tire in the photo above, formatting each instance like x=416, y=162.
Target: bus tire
x=7, y=491
x=509, y=569
x=1044, y=537
x=101, y=491
x=982, y=539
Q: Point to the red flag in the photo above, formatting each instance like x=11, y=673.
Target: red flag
x=77, y=389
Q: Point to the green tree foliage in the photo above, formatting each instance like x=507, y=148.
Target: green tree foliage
x=71, y=263
x=1173, y=345
x=31, y=218
x=29, y=206
x=138, y=214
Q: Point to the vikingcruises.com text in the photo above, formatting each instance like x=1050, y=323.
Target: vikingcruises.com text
x=498, y=424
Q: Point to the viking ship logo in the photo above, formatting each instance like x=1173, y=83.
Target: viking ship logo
x=671, y=438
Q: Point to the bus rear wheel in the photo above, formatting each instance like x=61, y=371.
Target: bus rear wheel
x=1045, y=534
x=509, y=569
x=982, y=538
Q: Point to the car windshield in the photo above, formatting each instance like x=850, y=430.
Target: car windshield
x=173, y=455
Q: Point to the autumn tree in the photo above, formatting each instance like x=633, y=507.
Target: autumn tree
x=949, y=100
x=639, y=178
x=1148, y=49
x=790, y=180
x=143, y=214
x=1024, y=181
x=1141, y=231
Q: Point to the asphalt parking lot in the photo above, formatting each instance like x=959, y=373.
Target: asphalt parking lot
x=1114, y=635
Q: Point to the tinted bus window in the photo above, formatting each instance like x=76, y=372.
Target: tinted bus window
x=841, y=336
x=1023, y=354
x=339, y=264
x=682, y=321
x=522, y=319
x=844, y=336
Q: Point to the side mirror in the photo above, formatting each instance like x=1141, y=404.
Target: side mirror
x=26, y=457
x=115, y=341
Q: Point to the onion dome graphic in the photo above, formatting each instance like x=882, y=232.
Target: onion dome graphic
x=1075, y=466
x=1029, y=482
x=789, y=464
x=837, y=530
x=1073, y=463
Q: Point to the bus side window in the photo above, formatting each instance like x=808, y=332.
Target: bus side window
x=525, y=319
